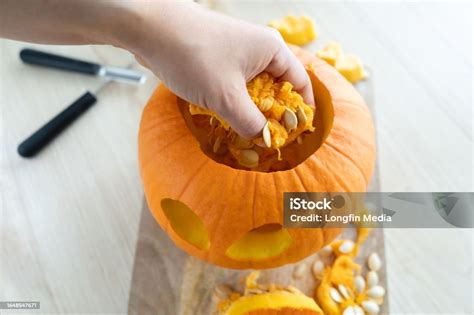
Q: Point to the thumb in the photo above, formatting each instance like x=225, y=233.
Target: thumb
x=241, y=113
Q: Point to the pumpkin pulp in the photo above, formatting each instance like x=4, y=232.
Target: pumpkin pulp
x=288, y=120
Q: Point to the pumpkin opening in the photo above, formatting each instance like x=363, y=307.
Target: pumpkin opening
x=264, y=242
x=298, y=147
x=186, y=223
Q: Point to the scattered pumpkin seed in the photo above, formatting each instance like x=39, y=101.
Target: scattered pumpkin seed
x=299, y=271
x=348, y=311
x=335, y=295
x=317, y=268
x=358, y=310
x=372, y=278
x=374, y=262
x=371, y=307
x=346, y=247
x=376, y=292
x=272, y=287
x=254, y=291
x=301, y=115
x=344, y=291
x=222, y=291
x=266, y=135
x=326, y=251
x=290, y=119
x=359, y=283
x=248, y=158
x=292, y=289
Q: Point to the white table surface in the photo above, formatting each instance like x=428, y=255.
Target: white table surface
x=69, y=217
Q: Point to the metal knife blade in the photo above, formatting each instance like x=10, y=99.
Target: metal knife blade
x=46, y=59
x=122, y=74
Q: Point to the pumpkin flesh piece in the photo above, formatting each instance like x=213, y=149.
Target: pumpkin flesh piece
x=186, y=223
x=295, y=30
x=272, y=301
x=261, y=243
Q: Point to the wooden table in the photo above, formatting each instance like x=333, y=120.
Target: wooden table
x=69, y=218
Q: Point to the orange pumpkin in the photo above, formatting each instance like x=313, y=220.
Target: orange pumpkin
x=232, y=217
x=274, y=303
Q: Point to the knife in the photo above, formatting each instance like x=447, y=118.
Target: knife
x=40, y=58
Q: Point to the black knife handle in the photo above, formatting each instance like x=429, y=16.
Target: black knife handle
x=38, y=140
x=40, y=58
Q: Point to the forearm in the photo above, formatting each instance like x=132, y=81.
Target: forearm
x=77, y=21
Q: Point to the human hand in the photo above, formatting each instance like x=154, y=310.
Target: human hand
x=206, y=58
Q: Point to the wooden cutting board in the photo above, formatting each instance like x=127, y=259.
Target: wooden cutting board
x=167, y=281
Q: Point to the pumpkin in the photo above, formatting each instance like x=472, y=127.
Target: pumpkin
x=274, y=303
x=233, y=217
x=267, y=299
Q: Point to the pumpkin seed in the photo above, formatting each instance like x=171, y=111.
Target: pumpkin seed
x=346, y=247
x=217, y=145
x=326, y=250
x=266, y=135
x=242, y=143
x=359, y=283
x=301, y=115
x=254, y=291
x=372, y=278
x=344, y=291
x=248, y=158
x=291, y=121
x=349, y=311
x=299, y=139
x=371, y=307
x=299, y=271
x=317, y=268
x=266, y=104
x=272, y=287
x=222, y=291
x=376, y=292
x=213, y=122
x=358, y=310
x=335, y=295
x=374, y=262
x=292, y=289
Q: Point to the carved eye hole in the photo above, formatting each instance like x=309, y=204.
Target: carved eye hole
x=264, y=242
x=186, y=223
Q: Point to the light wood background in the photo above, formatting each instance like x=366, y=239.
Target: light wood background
x=69, y=218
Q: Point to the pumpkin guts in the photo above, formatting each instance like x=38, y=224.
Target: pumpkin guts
x=288, y=119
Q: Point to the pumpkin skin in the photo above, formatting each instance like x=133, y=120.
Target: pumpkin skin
x=230, y=202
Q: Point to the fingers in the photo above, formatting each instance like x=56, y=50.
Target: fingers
x=241, y=112
x=287, y=67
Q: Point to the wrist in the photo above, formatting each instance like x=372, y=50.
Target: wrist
x=139, y=26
